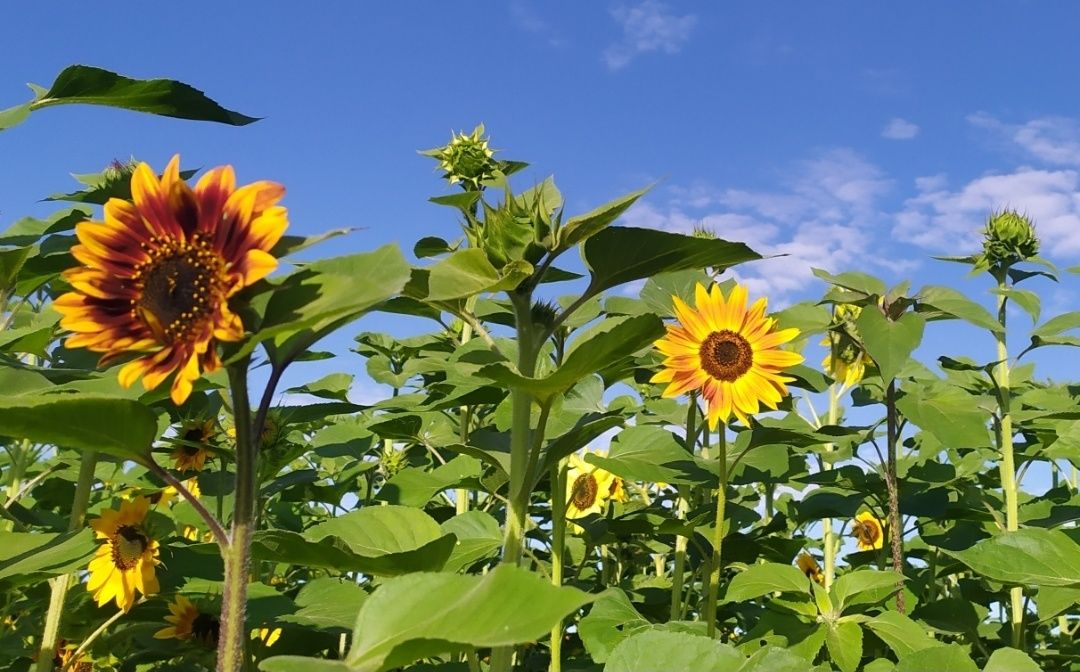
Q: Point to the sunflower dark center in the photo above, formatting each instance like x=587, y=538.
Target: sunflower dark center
x=584, y=491
x=179, y=288
x=205, y=629
x=726, y=355
x=867, y=532
x=128, y=545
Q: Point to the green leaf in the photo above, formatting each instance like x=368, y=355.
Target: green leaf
x=333, y=553
x=380, y=530
x=331, y=386
x=844, y=642
x=302, y=664
x=953, y=420
x=854, y=281
x=903, y=635
x=1058, y=324
x=1053, y=600
x=651, y=454
x=478, y=537
x=13, y=116
x=327, y=604
x=581, y=227
x=11, y=262
x=622, y=254
x=1010, y=660
x=775, y=659
x=610, y=621
x=1024, y=298
x=431, y=246
x=950, y=658
x=853, y=583
x=890, y=343
x=292, y=244
x=763, y=579
x=119, y=427
x=422, y=615
x=326, y=295
x=660, y=650
x=42, y=553
x=1031, y=556
x=93, y=86
x=954, y=304
x=468, y=272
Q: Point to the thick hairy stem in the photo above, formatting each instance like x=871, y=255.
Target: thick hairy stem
x=828, y=535
x=232, y=640
x=896, y=529
x=682, y=507
x=718, y=535
x=558, y=547
x=461, y=495
x=50, y=635
x=216, y=529
x=1008, y=464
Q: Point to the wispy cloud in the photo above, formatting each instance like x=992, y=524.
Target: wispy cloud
x=523, y=14
x=647, y=26
x=899, y=129
x=826, y=214
x=944, y=220
x=1053, y=140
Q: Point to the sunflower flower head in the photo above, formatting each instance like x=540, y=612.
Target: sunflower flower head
x=1009, y=237
x=727, y=351
x=157, y=273
x=124, y=564
x=187, y=622
x=267, y=636
x=588, y=488
x=846, y=361
x=467, y=159
x=867, y=531
x=191, y=452
x=810, y=568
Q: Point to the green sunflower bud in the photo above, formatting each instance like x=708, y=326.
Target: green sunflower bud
x=700, y=231
x=466, y=159
x=1009, y=237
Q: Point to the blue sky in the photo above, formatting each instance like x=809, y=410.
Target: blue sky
x=844, y=136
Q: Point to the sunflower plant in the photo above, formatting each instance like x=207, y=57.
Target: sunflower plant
x=597, y=447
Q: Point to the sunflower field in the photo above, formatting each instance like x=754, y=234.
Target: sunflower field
x=598, y=450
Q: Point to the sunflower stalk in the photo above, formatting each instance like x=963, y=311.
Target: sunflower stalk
x=558, y=549
x=718, y=533
x=220, y=536
x=828, y=536
x=50, y=635
x=896, y=531
x=682, y=506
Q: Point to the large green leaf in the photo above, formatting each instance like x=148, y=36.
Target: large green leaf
x=478, y=537
x=950, y=658
x=763, y=579
x=952, y=303
x=330, y=552
x=93, y=86
x=890, y=343
x=1031, y=556
x=845, y=645
x=611, y=620
x=41, y=553
x=853, y=280
x=380, y=530
x=468, y=272
x=651, y=454
x=953, y=419
x=622, y=254
x=422, y=615
x=327, y=604
x=660, y=650
x=853, y=583
x=119, y=427
x=1011, y=660
x=580, y=227
x=903, y=635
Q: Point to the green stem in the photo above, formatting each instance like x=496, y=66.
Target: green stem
x=682, y=507
x=461, y=495
x=1008, y=464
x=558, y=548
x=828, y=536
x=718, y=534
x=896, y=529
x=60, y=584
x=233, y=635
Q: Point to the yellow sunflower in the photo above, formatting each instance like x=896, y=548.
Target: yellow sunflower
x=158, y=272
x=617, y=491
x=867, y=531
x=192, y=454
x=588, y=488
x=187, y=622
x=846, y=361
x=727, y=351
x=125, y=563
x=810, y=568
x=266, y=635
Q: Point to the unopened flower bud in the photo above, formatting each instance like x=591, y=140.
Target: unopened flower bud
x=1009, y=237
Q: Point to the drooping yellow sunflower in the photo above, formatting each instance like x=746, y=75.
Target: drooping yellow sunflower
x=192, y=454
x=157, y=273
x=727, y=351
x=124, y=564
x=187, y=622
x=867, y=531
x=588, y=488
x=846, y=361
x=810, y=568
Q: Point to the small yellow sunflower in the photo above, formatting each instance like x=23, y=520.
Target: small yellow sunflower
x=810, y=568
x=192, y=454
x=846, y=361
x=125, y=563
x=588, y=488
x=266, y=635
x=617, y=491
x=867, y=531
x=158, y=272
x=727, y=351
x=187, y=622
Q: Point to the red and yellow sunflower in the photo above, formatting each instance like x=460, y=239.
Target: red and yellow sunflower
x=157, y=273
x=728, y=351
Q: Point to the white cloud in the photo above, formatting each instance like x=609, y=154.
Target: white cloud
x=899, y=129
x=524, y=16
x=826, y=215
x=647, y=26
x=949, y=221
x=1052, y=140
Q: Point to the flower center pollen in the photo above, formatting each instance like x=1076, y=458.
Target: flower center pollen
x=205, y=629
x=584, y=491
x=128, y=546
x=179, y=287
x=866, y=532
x=726, y=355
